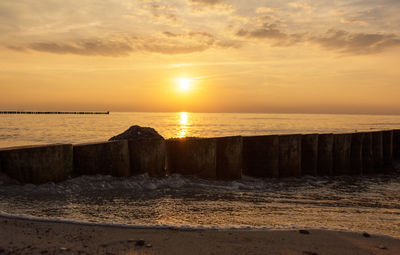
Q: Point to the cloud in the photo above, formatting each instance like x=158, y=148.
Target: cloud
x=162, y=13
x=207, y=2
x=267, y=31
x=154, y=7
x=219, y=7
x=300, y=5
x=164, y=43
x=270, y=32
x=168, y=17
x=172, y=43
x=337, y=40
x=356, y=43
x=353, y=21
x=83, y=47
x=262, y=10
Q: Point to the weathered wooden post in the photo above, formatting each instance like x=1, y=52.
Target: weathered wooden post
x=325, y=154
x=368, y=154
x=229, y=157
x=261, y=156
x=341, y=153
x=37, y=164
x=356, y=155
x=377, y=145
x=396, y=144
x=290, y=156
x=192, y=156
x=309, y=154
x=387, y=148
x=147, y=155
x=110, y=158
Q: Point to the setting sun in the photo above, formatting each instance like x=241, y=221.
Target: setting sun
x=184, y=84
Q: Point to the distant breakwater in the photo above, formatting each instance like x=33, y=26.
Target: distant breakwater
x=42, y=112
x=224, y=158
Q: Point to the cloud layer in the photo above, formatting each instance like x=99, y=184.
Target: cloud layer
x=186, y=26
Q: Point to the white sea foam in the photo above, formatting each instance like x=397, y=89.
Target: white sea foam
x=351, y=203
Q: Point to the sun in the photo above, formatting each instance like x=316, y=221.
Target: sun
x=184, y=84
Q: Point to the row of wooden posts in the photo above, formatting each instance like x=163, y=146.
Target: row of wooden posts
x=225, y=158
x=41, y=112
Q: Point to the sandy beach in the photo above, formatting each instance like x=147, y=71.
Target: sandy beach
x=19, y=236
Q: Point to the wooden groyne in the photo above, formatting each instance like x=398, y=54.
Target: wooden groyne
x=42, y=112
x=224, y=158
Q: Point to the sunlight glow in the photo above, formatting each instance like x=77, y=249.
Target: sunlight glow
x=184, y=119
x=184, y=122
x=184, y=84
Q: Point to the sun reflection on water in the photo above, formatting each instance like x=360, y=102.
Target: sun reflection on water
x=183, y=125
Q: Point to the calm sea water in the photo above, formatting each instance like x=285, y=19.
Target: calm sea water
x=367, y=203
x=41, y=129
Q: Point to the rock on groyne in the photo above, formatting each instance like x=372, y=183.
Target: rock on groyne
x=146, y=150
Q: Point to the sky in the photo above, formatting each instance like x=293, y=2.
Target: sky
x=274, y=56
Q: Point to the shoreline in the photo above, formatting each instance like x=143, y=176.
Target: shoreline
x=32, y=236
x=184, y=228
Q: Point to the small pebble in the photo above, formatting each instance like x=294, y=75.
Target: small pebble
x=309, y=253
x=64, y=249
x=366, y=235
x=140, y=242
x=382, y=247
x=148, y=245
x=304, y=232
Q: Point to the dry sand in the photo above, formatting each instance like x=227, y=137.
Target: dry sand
x=18, y=236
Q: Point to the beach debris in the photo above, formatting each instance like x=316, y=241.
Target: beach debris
x=137, y=132
x=304, y=232
x=140, y=242
x=148, y=245
x=64, y=249
x=309, y=253
x=382, y=247
x=366, y=235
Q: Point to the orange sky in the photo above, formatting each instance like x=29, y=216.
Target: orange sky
x=237, y=56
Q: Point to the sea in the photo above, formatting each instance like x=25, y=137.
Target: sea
x=368, y=203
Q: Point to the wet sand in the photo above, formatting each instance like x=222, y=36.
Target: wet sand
x=19, y=236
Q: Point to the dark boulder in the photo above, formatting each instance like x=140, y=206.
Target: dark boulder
x=138, y=132
x=146, y=150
